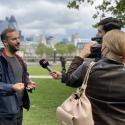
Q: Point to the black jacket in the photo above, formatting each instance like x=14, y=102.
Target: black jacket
x=106, y=90
x=8, y=100
x=76, y=62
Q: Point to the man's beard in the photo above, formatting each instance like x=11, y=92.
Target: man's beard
x=12, y=49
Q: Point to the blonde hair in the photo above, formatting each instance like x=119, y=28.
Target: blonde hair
x=114, y=40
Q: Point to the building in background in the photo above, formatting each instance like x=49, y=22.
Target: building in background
x=51, y=41
x=42, y=39
x=10, y=22
x=75, y=39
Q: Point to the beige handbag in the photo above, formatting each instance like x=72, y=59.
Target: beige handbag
x=76, y=110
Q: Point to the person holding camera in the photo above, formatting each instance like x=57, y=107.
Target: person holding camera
x=104, y=26
x=106, y=83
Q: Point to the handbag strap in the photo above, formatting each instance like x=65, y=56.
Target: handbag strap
x=84, y=84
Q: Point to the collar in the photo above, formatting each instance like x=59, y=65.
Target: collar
x=114, y=57
x=3, y=53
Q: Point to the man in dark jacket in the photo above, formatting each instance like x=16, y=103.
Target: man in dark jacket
x=14, y=80
x=104, y=26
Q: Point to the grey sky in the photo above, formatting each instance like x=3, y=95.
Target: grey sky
x=50, y=17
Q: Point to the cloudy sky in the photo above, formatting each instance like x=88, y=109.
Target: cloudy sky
x=49, y=17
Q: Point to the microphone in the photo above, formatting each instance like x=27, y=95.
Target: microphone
x=45, y=64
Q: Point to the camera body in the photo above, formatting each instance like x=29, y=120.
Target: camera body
x=97, y=39
x=96, y=49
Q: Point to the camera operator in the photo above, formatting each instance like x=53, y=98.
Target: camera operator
x=90, y=50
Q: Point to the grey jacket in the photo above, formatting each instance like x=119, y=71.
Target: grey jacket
x=106, y=90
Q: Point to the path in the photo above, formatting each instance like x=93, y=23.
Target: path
x=41, y=76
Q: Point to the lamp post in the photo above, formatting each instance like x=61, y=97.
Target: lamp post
x=54, y=55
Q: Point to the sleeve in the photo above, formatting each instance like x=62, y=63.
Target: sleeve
x=5, y=88
x=76, y=62
x=76, y=78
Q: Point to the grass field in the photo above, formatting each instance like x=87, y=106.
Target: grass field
x=44, y=101
x=37, y=70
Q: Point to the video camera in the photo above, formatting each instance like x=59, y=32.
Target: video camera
x=97, y=39
x=96, y=49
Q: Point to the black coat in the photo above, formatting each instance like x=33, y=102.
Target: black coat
x=8, y=99
x=106, y=90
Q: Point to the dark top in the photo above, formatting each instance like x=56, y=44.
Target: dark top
x=106, y=90
x=18, y=72
x=9, y=103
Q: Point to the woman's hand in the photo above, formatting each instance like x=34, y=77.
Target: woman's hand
x=56, y=74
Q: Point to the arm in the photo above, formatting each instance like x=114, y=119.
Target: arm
x=76, y=77
x=6, y=87
x=77, y=61
x=9, y=89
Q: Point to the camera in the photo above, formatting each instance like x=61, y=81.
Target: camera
x=97, y=39
x=96, y=49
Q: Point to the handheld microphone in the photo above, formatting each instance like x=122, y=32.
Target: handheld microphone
x=45, y=64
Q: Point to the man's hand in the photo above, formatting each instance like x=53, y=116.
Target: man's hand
x=18, y=87
x=86, y=51
x=31, y=85
x=56, y=75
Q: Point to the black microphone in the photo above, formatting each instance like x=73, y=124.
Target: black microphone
x=45, y=64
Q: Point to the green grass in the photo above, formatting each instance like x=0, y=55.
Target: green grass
x=44, y=101
x=37, y=70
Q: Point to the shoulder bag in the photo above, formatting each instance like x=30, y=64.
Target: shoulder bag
x=76, y=110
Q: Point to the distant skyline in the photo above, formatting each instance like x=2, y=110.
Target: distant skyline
x=50, y=17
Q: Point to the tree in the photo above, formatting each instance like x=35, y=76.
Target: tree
x=62, y=48
x=71, y=48
x=115, y=7
x=42, y=49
